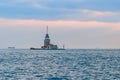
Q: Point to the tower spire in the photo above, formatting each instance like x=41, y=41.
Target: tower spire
x=47, y=29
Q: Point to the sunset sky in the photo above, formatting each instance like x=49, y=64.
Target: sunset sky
x=74, y=23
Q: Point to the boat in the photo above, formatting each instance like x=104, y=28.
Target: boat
x=47, y=44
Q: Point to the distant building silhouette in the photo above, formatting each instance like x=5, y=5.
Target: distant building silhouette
x=47, y=45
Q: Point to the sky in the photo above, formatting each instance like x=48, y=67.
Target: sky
x=73, y=23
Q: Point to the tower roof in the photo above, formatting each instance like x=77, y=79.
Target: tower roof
x=47, y=35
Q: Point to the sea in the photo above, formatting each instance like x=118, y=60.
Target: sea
x=70, y=64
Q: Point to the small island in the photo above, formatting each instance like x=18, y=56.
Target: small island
x=47, y=45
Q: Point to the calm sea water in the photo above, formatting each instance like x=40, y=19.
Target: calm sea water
x=60, y=65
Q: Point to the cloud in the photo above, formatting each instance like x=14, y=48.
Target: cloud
x=81, y=10
x=59, y=23
x=98, y=13
x=71, y=4
x=44, y=13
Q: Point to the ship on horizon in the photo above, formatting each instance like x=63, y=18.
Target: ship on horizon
x=47, y=45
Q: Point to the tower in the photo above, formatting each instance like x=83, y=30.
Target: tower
x=47, y=39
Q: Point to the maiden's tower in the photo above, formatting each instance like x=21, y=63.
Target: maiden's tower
x=47, y=44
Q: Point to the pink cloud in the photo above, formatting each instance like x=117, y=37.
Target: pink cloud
x=69, y=24
x=98, y=13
